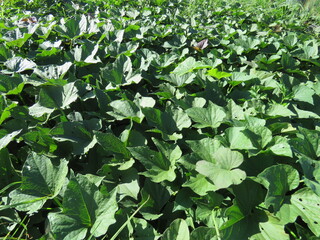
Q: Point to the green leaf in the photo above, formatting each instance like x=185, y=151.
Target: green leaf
x=6, y=105
x=41, y=180
x=4, y=141
x=305, y=114
x=142, y=230
x=19, y=64
x=58, y=96
x=177, y=230
x=189, y=65
x=240, y=138
x=205, y=148
x=203, y=233
x=7, y=171
x=303, y=203
x=212, y=116
x=218, y=74
x=5, y=53
x=281, y=147
x=82, y=140
x=126, y=109
x=278, y=179
x=311, y=170
x=243, y=196
x=167, y=123
x=304, y=94
x=19, y=36
x=129, y=185
x=307, y=142
x=11, y=85
x=223, y=172
x=180, y=80
x=40, y=141
x=262, y=136
x=111, y=143
x=288, y=62
x=120, y=72
x=248, y=43
x=84, y=208
x=73, y=28
x=200, y=185
x=310, y=50
x=278, y=110
x=271, y=228
x=290, y=40
x=160, y=165
x=49, y=72
x=85, y=54
x=239, y=77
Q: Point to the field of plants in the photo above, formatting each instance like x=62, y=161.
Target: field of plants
x=162, y=120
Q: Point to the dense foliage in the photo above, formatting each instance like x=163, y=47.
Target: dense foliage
x=113, y=127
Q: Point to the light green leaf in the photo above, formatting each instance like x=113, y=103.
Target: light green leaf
x=189, y=65
x=290, y=40
x=223, y=172
x=49, y=72
x=212, y=116
x=200, y=185
x=240, y=138
x=218, y=74
x=281, y=147
x=177, y=230
x=126, y=109
x=205, y=148
x=305, y=114
x=180, y=117
x=36, y=110
x=19, y=36
x=58, y=96
x=86, y=54
x=310, y=50
x=19, y=64
x=304, y=94
x=303, y=203
x=41, y=180
x=129, y=185
x=180, y=80
x=262, y=136
x=4, y=141
x=271, y=228
x=248, y=43
x=239, y=77
x=278, y=110
x=235, y=112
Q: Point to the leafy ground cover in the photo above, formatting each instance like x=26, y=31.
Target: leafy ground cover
x=112, y=126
